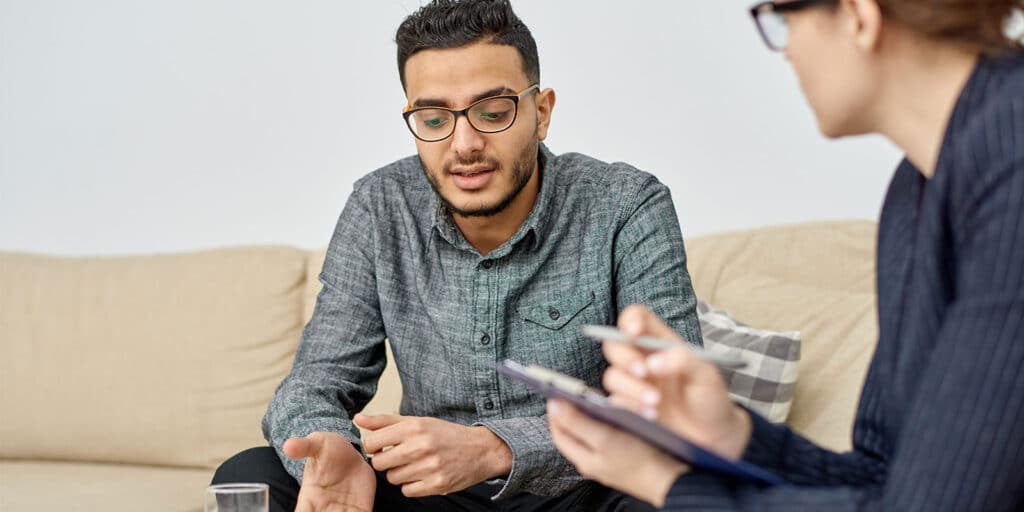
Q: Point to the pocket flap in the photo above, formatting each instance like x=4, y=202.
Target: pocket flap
x=554, y=315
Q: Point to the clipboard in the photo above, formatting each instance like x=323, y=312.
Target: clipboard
x=594, y=403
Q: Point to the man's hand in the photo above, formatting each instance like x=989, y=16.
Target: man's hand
x=428, y=456
x=335, y=478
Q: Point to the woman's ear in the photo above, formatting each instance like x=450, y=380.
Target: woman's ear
x=863, y=20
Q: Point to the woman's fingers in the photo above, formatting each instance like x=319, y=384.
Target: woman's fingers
x=679, y=363
x=627, y=357
x=630, y=392
x=638, y=320
x=572, y=448
x=589, y=432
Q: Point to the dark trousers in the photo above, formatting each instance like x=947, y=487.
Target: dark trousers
x=262, y=465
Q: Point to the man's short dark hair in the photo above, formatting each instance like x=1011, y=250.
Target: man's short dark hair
x=445, y=24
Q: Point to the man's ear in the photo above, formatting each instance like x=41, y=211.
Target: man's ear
x=863, y=19
x=545, y=105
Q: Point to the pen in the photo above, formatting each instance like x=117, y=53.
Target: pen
x=604, y=333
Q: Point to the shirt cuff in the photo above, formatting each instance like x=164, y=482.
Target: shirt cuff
x=537, y=467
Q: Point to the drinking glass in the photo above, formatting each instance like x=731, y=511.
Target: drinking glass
x=238, y=498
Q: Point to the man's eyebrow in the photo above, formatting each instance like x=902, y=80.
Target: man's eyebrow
x=434, y=102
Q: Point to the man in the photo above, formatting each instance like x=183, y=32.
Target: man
x=485, y=247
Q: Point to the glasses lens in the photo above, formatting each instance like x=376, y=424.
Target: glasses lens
x=431, y=123
x=774, y=27
x=493, y=115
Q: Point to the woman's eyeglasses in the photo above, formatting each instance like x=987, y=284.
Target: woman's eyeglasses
x=770, y=18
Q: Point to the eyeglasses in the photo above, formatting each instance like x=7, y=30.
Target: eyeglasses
x=771, y=20
x=489, y=115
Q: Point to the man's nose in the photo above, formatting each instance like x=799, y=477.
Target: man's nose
x=465, y=139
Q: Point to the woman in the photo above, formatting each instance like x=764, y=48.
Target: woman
x=940, y=424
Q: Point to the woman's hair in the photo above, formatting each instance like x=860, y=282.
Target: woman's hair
x=976, y=23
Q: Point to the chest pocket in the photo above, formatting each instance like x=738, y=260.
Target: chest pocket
x=555, y=315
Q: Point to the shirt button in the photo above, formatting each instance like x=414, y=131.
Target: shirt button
x=488, y=404
x=554, y=314
x=485, y=339
x=487, y=264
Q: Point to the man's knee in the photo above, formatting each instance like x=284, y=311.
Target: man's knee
x=261, y=465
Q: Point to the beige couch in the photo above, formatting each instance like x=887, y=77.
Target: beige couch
x=125, y=381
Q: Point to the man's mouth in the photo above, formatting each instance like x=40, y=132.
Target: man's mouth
x=471, y=171
x=473, y=177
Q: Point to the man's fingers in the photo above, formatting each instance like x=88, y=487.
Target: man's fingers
x=390, y=435
x=408, y=473
x=302, y=447
x=418, y=489
x=393, y=458
x=376, y=421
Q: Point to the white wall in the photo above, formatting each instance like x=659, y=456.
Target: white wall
x=133, y=126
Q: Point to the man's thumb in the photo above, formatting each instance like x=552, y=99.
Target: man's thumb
x=376, y=421
x=302, y=447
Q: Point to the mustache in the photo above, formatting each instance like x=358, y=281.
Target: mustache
x=481, y=160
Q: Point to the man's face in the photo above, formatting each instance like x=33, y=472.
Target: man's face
x=477, y=174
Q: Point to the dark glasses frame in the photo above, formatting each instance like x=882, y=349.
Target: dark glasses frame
x=516, y=98
x=776, y=7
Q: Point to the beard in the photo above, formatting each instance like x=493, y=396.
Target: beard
x=522, y=171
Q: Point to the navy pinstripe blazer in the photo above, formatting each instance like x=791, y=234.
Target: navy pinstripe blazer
x=940, y=425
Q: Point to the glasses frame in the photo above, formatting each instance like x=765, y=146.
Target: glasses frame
x=516, y=98
x=776, y=7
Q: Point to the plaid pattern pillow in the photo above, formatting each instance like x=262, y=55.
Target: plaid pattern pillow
x=766, y=384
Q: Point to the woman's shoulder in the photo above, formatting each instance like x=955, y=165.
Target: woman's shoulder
x=988, y=147
x=992, y=103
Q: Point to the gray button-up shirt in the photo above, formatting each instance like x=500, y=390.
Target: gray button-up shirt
x=600, y=237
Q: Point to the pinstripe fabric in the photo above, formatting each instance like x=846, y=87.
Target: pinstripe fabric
x=600, y=237
x=940, y=424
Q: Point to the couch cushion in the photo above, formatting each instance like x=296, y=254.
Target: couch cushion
x=164, y=360
x=107, y=487
x=818, y=279
x=766, y=385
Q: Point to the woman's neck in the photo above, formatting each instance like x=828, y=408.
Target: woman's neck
x=925, y=81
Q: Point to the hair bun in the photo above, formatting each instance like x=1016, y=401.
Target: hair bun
x=991, y=26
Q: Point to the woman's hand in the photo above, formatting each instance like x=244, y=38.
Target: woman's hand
x=612, y=457
x=674, y=387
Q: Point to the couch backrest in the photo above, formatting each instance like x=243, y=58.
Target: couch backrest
x=163, y=360
x=171, y=360
x=818, y=279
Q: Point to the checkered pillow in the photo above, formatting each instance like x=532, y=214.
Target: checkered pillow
x=766, y=384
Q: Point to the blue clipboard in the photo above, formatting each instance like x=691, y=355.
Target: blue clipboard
x=550, y=384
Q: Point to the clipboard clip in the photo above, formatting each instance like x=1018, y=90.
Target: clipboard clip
x=561, y=382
